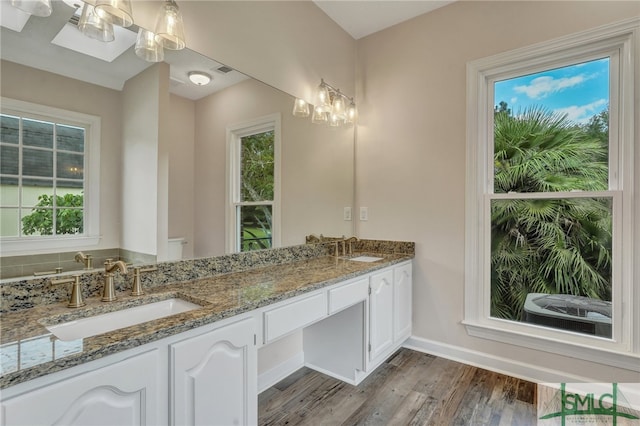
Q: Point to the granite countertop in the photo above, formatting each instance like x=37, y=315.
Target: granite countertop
x=28, y=350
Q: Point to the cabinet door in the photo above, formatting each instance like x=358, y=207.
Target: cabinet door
x=124, y=393
x=381, y=314
x=214, y=377
x=402, y=287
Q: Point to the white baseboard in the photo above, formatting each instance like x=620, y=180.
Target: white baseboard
x=280, y=371
x=532, y=373
x=347, y=380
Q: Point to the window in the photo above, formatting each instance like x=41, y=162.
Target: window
x=253, y=193
x=48, y=177
x=549, y=242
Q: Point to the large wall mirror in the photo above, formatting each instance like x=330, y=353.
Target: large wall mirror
x=179, y=188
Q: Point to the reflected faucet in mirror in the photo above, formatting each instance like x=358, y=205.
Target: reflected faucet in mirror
x=85, y=259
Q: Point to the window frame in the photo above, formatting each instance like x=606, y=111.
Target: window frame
x=620, y=42
x=235, y=133
x=25, y=245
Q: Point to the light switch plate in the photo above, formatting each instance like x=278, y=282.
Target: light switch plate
x=364, y=213
x=347, y=213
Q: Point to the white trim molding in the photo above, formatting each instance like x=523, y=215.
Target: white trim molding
x=508, y=366
x=621, y=42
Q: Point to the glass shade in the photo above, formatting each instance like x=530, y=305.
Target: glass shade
x=33, y=7
x=93, y=26
x=169, y=27
x=323, y=101
x=338, y=108
x=300, y=108
x=118, y=10
x=147, y=48
x=335, y=120
x=352, y=113
x=319, y=117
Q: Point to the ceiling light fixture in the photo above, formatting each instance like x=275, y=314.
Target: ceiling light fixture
x=199, y=78
x=169, y=27
x=40, y=8
x=330, y=107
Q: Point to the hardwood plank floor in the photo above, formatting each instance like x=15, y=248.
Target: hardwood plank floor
x=411, y=388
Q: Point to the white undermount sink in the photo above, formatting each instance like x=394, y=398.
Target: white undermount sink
x=365, y=259
x=94, y=325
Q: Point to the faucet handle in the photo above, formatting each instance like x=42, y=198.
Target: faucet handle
x=136, y=288
x=75, y=301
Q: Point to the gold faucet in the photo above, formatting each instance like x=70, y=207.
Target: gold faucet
x=351, y=240
x=109, y=290
x=86, y=259
x=136, y=288
x=75, y=301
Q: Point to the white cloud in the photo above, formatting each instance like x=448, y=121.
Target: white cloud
x=513, y=100
x=543, y=86
x=582, y=113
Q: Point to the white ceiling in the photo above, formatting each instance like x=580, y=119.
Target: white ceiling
x=363, y=17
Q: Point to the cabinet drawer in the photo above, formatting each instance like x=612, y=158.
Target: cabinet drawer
x=293, y=316
x=347, y=295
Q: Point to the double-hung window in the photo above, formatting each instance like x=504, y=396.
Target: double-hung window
x=49, y=177
x=550, y=205
x=253, y=209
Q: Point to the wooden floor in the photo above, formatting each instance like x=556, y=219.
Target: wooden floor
x=411, y=388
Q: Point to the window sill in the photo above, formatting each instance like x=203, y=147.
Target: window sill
x=40, y=246
x=605, y=356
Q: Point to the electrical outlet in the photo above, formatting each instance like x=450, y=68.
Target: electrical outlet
x=347, y=213
x=364, y=213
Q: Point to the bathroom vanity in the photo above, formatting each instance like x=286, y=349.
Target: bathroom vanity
x=200, y=367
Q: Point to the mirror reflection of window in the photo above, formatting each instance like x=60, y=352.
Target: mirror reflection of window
x=253, y=204
x=42, y=177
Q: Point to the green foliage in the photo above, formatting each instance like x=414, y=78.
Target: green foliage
x=69, y=215
x=257, y=170
x=257, y=184
x=548, y=245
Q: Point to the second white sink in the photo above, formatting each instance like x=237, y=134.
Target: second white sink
x=365, y=259
x=92, y=326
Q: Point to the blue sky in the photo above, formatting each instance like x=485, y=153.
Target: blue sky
x=580, y=91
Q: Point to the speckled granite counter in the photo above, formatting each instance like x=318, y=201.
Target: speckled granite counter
x=28, y=350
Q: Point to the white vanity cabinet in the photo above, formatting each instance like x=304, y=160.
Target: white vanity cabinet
x=209, y=374
x=124, y=392
x=380, y=314
x=402, y=302
x=214, y=377
x=389, y=312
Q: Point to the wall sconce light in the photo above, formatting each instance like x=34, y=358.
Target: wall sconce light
x=330, y=107
x=300, y=108
x=93, y=26
x=147, y=48
x=119, y=11
x=199, y=78
x=40, y=8
x=169, y=27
